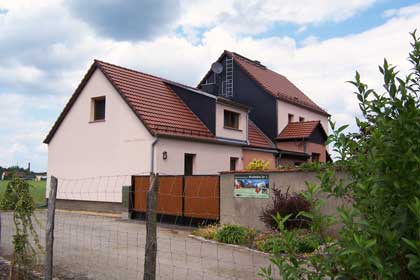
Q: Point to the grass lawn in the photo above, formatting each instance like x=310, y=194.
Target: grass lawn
x=38, y=191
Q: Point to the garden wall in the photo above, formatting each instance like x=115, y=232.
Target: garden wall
x=245, y=211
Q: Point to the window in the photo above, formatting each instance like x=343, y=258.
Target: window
x=301, y=119
x=291, y=117
x=98, y=109
x=188, y=164
x=233, y=162
x=315, y=157
x=231, y=119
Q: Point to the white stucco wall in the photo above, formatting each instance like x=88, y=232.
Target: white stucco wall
x=209, y=158
x=92, y=160
x=284, y=109
x=221, y=131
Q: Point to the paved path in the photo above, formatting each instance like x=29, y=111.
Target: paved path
x=101, y=247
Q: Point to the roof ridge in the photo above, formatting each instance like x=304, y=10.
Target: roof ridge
x=147, y=74
x=132, y=70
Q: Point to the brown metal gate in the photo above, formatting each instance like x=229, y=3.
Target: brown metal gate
x=194, y=196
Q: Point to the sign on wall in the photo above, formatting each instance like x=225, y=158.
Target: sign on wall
x=251, y=185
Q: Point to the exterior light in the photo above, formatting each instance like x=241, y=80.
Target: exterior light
x=165, y=155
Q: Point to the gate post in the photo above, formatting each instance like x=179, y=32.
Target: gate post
x=151, y=224
x=49, y=234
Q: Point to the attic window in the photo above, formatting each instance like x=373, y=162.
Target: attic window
x=98, y=109
x=231, y=119
x=301, y=119
x=290, y=117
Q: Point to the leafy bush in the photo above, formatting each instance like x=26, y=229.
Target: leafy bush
x=304, y=243
x=208, y=232
x=17, y=198
x=258, y=164
x=273, y=244
x=308, y=243
x=286, y=204
x=232, y=234
x=380, y=237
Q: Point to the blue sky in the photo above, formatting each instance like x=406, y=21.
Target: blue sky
x=46, y=48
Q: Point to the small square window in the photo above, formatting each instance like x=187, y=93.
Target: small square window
x=98, y=108
x=301, y=119
x=231, y=119
x=233, y=163
x=291, y=116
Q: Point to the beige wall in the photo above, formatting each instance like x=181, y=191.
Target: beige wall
x=294, y=145
x=316, y=148
x=284, y=109
x=304, y=147
x=209, y=158
x=250, y=155
x=246, y=211
x=221, y=131
x=120, y=145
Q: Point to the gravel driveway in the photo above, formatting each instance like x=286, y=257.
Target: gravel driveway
x=102, y=247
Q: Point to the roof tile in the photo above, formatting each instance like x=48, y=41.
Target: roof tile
x=257, y=138
x=298, y=130
x=162, y=111
x=276, y=84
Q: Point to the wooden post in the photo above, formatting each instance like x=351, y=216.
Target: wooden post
x=151, y=237
x=49, y=234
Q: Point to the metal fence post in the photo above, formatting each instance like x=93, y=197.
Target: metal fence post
x=151, y=237
x=49, y=234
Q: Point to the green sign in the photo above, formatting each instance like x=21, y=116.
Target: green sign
x=251, y=185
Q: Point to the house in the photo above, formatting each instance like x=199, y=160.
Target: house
x=124, y=122
x=281, y=110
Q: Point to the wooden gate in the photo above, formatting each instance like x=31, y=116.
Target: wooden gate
x=201, y=197
x=194, y=196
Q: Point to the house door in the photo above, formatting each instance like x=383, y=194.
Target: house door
x=188, y=164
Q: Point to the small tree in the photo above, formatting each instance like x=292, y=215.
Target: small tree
x=286, y=204
x=17, y=198
x=380, y=237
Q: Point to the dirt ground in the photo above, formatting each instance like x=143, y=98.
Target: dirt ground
x=101, y=247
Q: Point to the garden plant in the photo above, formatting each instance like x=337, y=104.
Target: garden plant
x=380, y=232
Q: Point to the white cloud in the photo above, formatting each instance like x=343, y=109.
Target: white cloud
x=245, y=16
x=56, y=62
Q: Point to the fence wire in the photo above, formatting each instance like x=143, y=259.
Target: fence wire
x=91, y=245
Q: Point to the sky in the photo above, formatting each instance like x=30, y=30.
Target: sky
x=47, y=46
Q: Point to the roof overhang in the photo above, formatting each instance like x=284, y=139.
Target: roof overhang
x=294, y=154
x=225, y=101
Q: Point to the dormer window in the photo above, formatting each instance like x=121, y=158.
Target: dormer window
x=231, y=119
x=98, y=109
x=291, y=116
x=301, y=119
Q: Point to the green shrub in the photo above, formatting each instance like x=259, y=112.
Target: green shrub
x=305, y=243
x=273, y=244
x=208, y=232
x=380, y=233
x=308, y=243
x=232, y=234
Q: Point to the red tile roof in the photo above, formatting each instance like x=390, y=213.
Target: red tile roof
x=257, y=138
x=295, y=130
x=274, y=83
x=151, y=99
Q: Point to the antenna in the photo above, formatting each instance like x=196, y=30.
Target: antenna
x=217, y=67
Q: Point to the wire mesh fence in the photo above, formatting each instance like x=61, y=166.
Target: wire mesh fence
x=91, y=245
